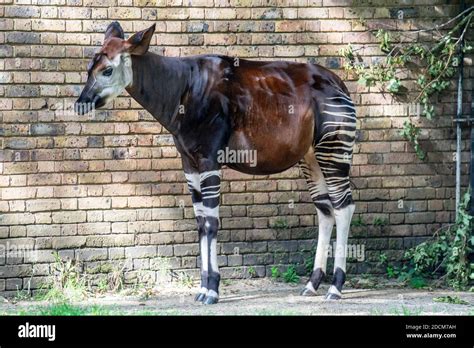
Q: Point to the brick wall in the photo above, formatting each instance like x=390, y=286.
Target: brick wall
x=108, y=189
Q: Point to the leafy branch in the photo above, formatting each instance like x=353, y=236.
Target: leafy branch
x=436, y=64
x=443, y=258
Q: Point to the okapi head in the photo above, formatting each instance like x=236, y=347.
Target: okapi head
x=110, y=70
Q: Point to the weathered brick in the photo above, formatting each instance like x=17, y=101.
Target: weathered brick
x=91, y=254
x=120, y=215
x=94, y=203
x=69, y=217
x=42, y=205
x=69, y=242
x=186, y=250
x=140, y=251
x=47, y=129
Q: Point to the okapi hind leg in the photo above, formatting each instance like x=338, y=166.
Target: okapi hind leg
x=319, y=194
x=334, y=154
x=343, y=218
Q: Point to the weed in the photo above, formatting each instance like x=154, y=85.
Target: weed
x=67, y=282
x=252, y=272
x=309, y=264
x=183, y=279
x=391, y=271
x=275, y=273
x=102, y=286
x=226, y=282
x=382, y=259
x=22, y=295
x=379, y=221
x=115, y=278
x=280, y=223
x=357, y=222
x=290, y=275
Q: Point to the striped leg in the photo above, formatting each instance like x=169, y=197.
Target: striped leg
x=334, y=155
x=319, y=193
x=206, y=209
x=210, y=190
x=194, y=185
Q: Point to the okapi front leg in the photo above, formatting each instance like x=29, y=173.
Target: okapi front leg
x=210, y=190
x=194, y=185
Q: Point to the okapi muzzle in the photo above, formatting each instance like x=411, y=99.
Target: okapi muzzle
x=89, y=98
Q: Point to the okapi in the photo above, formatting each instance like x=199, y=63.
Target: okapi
x=287, y=112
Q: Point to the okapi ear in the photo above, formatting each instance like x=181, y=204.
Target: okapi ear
x=138, y=43
x=114, y=30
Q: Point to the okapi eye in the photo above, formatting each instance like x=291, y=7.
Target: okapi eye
x=107, y=72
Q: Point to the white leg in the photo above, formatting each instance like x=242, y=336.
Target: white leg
x=343, y=218
x=213, y=263
x=204, y=262
x=325, y=226
x=194, y=186
x=319, y=193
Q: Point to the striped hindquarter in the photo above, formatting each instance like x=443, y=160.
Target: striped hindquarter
x=334, y=147
x=326, y=168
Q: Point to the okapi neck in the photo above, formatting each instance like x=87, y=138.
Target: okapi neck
x=159, y=84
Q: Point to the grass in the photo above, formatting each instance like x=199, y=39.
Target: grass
x=275, y=312
x=403, y=310
x=451, y=300
x=376, y=311
x=22, y=295
x=68, y=309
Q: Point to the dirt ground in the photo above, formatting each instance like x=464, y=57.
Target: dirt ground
x=266, y=297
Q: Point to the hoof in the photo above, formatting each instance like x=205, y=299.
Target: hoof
x=307, y=292
x=200, y=297
x=332, y=297
x=210, y=300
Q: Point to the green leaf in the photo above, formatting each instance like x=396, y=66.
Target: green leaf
x=393, y=85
